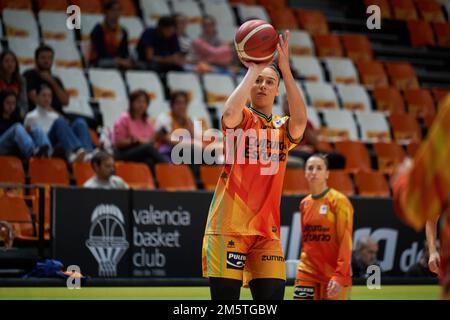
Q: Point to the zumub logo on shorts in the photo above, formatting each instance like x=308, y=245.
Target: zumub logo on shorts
x=235, y=260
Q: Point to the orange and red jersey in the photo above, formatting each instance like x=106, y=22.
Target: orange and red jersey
x=327, y=224
x=248, y=194
x=424, y=193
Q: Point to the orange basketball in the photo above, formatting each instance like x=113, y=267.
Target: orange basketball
x=256, y=40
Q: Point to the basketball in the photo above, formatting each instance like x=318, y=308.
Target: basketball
x=256, y=40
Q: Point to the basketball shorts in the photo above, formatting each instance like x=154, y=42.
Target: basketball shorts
x=242, y=258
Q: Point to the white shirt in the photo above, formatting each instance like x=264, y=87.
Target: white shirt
x=41, y=118
x=114, y=182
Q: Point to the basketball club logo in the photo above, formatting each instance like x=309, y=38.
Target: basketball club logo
x=107, y=238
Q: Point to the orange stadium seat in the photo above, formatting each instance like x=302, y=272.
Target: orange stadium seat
x=428, y=120
x=82, y=172
x=175, y=177
x=420, y=33
x=14, y=210
x=389, y=154
x=442, y=32
x=357, y=47
x=11, y=170
x=210, y=175
x=328, y=45
x=385, y=8
x=420, y=102
x=52, y=5
x=372, y=74
x=405, y=128
x=412, y=148
x=341, y=181
x=295, y=182
x=439, y=94
x=47, y=172
x=389, y=100
x=430, y=10
x=136, y=174
x=404, y=9
x=283, y=18
x=372, y=184
x=127, y=7
x=89, y=6
x=402, y=75
x=312, y=21
x=270, y=4
x=356, y=155
x=16, y=4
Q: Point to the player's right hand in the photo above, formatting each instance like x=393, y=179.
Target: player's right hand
x=434, y=262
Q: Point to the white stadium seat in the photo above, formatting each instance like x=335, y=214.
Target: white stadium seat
x=111, y=111
x=321, y=95
x=107, y=85
x=53, y=26
x=66, y=54
x=134, y=27
x=148, y=81
x=153, y=10
x=374, y=126
x=247, y=12
x=301, y=43
x=88, y=22
x=339, y=125
x=24, y=50
x=354, y=97
x=218, y=87
x=197, y=110
x=342, y=70
x=185, y=81
x=313, y=116
x=156, y=108
x=308, y=67
x=20, y=24
x=221, y=11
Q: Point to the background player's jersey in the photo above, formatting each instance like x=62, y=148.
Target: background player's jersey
x=327, y=224
x=248, y=193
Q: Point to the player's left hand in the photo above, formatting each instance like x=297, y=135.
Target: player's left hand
x=333, y=289
x=283, y=52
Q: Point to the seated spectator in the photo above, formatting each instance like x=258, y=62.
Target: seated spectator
x=14, y=138
x=420, y=268
x=10, y=79
x=7, y=235
x=209, y=49
x=109, y=40
x=364, y=255
x=74, y=138
x=310, y=145
x=134, y=135
x=158, y=48
x=41, y=74
x=103, y=165
x=180, y=30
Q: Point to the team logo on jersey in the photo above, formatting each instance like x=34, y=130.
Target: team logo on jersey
x=230, y=244
x=278, y=123
x=235, y=260
x=323, y=209
x=304, y=292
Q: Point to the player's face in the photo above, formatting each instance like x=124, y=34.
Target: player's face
x=316, y=171
x=265, y=88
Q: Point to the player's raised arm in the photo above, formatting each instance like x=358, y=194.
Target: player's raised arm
x=297, y=108
x=232, y=115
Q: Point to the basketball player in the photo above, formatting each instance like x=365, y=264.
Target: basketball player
x=324, y=272
x=242, y=235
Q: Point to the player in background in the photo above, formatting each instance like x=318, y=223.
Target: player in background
x=324, y=271
x=422, y=189
x=242, y=234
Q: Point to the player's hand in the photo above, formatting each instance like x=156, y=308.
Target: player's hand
x=283, y=52
x=434, y=262
x=254, y=66
x=401, y=169
x=333, y=289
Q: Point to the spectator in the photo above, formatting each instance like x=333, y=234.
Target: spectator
x=365, y=255
x=109, y=40
x=41, y=74
x=310, y=145
x=208, y=48
x=10, y=79
x=421, y=269
x=180, y=29
x=158, y=48
x=74, y=138
x=7, y=235
x=134, y=135
x=13, y=135
x=103, y=165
